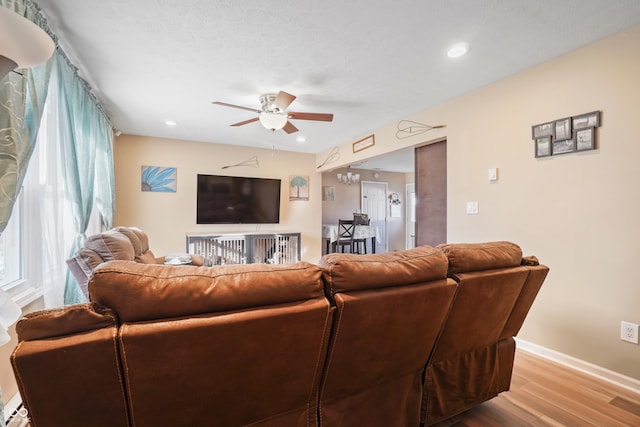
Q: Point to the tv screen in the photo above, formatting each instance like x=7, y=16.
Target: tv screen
x=237, y=200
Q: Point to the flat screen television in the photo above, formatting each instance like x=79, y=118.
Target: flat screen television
x=237, y=200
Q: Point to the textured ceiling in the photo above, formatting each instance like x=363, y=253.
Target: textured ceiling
x=369, y=63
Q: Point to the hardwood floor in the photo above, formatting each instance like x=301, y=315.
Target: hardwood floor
x=544, y=393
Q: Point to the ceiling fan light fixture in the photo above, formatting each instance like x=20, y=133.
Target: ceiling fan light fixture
x=273, y=121
x=22, y=43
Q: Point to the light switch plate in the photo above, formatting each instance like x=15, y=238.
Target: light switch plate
x=493, y=174
x=472, y=208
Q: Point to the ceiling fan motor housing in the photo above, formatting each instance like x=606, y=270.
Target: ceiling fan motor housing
x=267, y=101
x=274, y=114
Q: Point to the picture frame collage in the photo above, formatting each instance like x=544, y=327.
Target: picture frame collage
x=566, y=135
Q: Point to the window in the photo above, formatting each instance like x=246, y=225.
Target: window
x=11, y=249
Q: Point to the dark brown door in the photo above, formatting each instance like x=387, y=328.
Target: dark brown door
x=431, y=194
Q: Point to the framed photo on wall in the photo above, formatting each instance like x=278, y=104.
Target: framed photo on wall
x=589, y=120
x=567, y=135
x=543, y=146
x=562, y=147
x=585, y=139
x=543, y=129
x=563, y=129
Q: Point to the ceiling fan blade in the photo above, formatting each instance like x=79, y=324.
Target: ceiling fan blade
x=283, y=100
x=311, y=116
x=290, y=128
x=255, y=119
x=236, y=106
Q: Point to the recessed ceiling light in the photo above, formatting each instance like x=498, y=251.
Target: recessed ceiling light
x=300, y=139
x=170, y=123
x=457, y=50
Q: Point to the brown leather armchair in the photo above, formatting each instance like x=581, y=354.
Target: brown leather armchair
x=120, y=243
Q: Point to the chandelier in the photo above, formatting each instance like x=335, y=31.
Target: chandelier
x=349, y=178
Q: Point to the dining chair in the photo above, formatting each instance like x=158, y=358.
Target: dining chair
x=345, y=235
x=360, y=219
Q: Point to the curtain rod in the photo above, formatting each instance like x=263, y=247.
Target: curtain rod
x=39, y=19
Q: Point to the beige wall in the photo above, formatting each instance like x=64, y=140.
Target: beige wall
x=168, y=217
x=577, y=212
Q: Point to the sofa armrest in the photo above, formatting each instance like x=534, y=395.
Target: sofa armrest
x=63, y=321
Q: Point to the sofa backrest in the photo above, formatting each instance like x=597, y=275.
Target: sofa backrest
x=214, y=342
x=390, y=308
x=70, y=352
x=490, y=278
x=140, y=242
x=473, y=357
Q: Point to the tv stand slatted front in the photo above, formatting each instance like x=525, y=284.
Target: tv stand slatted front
x=218, y=249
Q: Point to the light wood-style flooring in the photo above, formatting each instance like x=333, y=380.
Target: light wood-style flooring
x=544, y=393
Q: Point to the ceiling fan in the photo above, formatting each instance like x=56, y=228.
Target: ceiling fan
x=274, y=114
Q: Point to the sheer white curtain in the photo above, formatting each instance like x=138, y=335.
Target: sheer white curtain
x=49, y=217
x=48, y=214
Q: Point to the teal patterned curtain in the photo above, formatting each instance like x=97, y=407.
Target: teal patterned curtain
x=86, y=142
x=22, y=98
x=85, y=139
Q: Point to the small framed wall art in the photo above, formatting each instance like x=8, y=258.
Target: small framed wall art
x=543, y=129
x=299, y=187
x=563, y=129
x=589, y=120
x=562, y=147
x=364, y=143
x=159, y=179
x=543, y=146
x=584, y=139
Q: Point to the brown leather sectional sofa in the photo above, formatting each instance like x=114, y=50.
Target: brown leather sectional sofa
x=393, y=339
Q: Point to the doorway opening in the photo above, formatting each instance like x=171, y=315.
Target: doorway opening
x=374, y=203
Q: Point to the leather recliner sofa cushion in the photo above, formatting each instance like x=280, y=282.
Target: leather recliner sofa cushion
x=70, y=351
x=390, y=308
x=228, y=345
x=473, y=358
x=481, y=256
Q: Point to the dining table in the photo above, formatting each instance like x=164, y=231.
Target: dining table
x=330, y=234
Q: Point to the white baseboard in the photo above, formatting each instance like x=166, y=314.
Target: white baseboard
x=588, y=368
